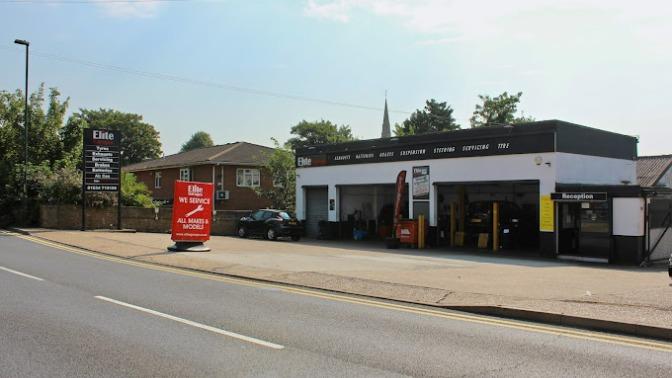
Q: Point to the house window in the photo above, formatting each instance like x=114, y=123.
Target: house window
x=247, y=178
x=157, y=180
x=185, y=174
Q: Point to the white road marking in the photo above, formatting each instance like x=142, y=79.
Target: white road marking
x=195, y=324
x=20, y=274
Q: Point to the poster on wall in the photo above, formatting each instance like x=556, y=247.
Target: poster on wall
x=421, y=183
x=546, y=214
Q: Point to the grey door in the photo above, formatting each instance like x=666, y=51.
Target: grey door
x=316, y=210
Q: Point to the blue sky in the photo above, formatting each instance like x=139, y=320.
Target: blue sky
x=599, y=63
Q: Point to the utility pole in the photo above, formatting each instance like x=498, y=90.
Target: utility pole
x=25, y=135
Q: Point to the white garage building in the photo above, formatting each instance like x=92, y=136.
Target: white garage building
x=566, y=190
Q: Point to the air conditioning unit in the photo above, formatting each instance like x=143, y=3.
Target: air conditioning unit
x=222, y=195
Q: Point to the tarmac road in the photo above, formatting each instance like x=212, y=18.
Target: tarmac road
x=67, y=313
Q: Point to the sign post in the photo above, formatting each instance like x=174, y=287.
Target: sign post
x=192, y=216
x=101, y=157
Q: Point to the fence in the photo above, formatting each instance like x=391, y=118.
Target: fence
x=659, y=239
x=69, y=217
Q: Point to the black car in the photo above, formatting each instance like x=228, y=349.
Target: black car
x=271, y=224
x=669, y=267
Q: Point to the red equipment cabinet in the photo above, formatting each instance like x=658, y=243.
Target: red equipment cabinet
x=407, y=232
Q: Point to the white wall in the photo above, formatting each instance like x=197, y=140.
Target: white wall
x=628, y=216
x=582, y=169
x=471, y=169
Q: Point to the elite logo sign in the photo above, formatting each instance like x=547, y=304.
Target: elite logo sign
x=192, y=211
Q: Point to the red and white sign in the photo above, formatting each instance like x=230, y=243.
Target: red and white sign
x=192, y=211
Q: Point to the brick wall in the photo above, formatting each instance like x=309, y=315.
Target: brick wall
x=239, y=198
x=69, y=217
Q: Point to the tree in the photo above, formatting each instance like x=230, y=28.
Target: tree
x=200, y=139
x=134, y=193
x=45, y=149
x=435, y=117
x=498, y=110
x=139, y=140
x=318, y=132
x=280, y=165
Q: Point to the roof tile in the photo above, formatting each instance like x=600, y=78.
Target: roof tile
x=651, y=168
x=243, y=153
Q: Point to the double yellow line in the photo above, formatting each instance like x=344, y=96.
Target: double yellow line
x=520, y=325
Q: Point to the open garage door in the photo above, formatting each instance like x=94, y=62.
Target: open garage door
x=467, y=209
x=317, y=204
x=368, y=209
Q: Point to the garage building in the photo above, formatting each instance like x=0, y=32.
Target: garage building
x=550, y=187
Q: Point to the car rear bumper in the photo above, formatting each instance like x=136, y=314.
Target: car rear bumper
x=289, y=231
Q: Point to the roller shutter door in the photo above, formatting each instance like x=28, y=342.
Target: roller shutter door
x=316, y=210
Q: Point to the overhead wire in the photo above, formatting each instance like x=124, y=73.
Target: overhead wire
x=212, y=84
x=186, y=80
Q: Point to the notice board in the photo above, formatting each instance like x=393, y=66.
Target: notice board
x=546, y=213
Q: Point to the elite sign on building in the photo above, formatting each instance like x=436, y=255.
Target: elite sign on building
x=101, y=160
x=192, y=211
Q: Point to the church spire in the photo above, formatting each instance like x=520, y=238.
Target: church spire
x=386, y=121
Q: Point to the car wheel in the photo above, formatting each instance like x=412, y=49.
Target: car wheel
x=270, y=234
x=242, y=232
x=296, y=238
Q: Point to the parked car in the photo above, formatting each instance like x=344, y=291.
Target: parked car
x=669, y=267
x=271, y=224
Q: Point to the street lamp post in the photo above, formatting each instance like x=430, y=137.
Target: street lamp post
x=25, y=133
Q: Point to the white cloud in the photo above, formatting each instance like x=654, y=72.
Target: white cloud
x=448, y=21
x=145, y=9
x=333, y=10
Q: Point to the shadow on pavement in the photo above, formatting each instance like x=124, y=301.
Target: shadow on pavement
x=515, y=257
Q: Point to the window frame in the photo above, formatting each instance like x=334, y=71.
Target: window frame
x=157, y=179
x=188, y=175
x=248, y=177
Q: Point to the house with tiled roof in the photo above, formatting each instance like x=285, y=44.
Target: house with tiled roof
x=234, y=168
x=654, y=171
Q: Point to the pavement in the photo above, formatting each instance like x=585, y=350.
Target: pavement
x=629, y=300
x=73, y=314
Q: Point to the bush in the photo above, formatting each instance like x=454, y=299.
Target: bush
x=134, y=193
x=62, y=186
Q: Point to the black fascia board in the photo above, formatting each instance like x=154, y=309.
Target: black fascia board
x=583, y=140
x=569, y=138
x=530, y=128
x=611, y=190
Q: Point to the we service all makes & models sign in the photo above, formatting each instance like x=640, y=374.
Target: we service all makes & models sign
x=192, y=211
